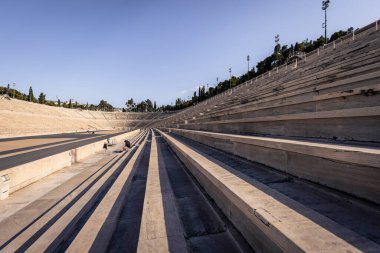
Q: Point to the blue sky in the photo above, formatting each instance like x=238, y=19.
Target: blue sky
x=159, y=49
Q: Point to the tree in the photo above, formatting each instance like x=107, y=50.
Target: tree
x=149, y=105
x=296, y=47
x=70, y=105
x=105, y=106
x=278, y=55
x=130, y=102
x=130, y=105
x=338, y=34
x=234, y=81
x=194, y=98
x=31, y=97
x=141, y=107
x=59, y=102
x=42, y=98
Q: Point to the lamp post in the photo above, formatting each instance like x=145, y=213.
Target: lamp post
x=277, y=41
x=14, y=90
x=229, y=70
x=325, y=5
x=216, y=86
x=248, y=64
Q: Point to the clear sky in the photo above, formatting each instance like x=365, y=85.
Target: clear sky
x=158, y=49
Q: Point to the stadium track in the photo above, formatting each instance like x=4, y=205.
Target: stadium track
x=25, y=151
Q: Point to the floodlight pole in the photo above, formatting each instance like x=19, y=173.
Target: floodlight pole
x=326, y=25
x=230, y=77
x=325, y=5
x=277, y=41
x=216, y=86
x=248, y=64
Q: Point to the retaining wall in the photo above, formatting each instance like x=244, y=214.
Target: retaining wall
x=28, y=173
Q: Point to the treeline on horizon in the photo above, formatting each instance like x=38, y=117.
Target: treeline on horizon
x=280, y=55
x=13, y=93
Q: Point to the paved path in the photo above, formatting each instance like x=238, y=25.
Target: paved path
x=19, y=150
x=35, y=191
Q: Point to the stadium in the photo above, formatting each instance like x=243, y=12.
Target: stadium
x=287, y=160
